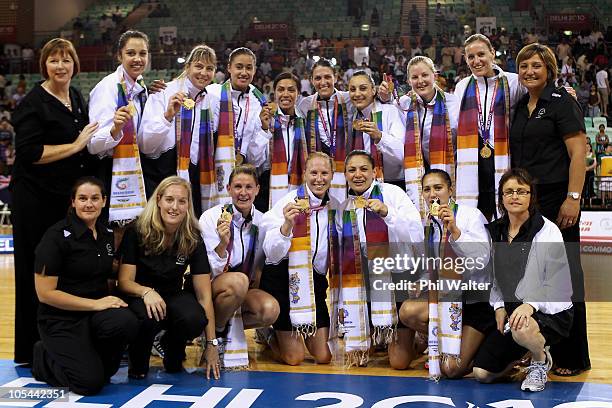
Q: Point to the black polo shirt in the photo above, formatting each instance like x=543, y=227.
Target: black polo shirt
x=39, y=120
x=536, y=142
x=163, y=272
x=82, y=264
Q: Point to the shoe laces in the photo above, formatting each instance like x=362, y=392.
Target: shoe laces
x=536, y=372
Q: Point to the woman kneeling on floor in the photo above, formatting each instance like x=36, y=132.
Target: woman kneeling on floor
x=532, y=289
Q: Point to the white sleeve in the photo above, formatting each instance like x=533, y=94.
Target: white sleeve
x=155, y=128
x=208, y=226
x=496, y=299
x=276, y=245
x=474, y=239
x=257, y=150
x=391, y=144
x=402, y=216
x=102, y=107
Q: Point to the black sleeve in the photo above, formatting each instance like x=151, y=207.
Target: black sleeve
x=569, y=115
x=29, y=130
x=48, y=256
x=129, y=248
x=198, y=263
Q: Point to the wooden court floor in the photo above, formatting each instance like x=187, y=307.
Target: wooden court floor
x=599, y=315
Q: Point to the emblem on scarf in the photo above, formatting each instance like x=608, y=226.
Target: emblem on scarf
x=455, y=315
x=220, y=176
x=294, y=286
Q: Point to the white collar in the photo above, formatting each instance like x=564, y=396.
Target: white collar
x=314, y=200
x=192, y=90
x=237, y=216
x=131, y=85
x=367, y=112
x=366, y=194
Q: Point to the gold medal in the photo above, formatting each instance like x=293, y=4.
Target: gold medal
x=131, y=108
x=357, y=123
x=226, y=215
x=273, y=107
x=391, y=87
x=239, y=159
x=434, y=208
x=360, y=202
x=188, y=103
x=485, y=152
x=302, y=203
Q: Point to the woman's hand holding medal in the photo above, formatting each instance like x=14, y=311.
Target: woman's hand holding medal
x=291, y=212
x=122, y=116
x=447, y=216
x=377, y=206
x=174, y=105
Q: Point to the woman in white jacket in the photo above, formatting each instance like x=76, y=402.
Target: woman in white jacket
x=532, y=289
x=178, y=125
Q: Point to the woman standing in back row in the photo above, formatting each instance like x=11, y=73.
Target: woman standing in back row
x=51, y=132
x=117, y=103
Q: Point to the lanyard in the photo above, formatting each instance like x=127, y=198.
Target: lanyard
x=485, y=127
x=327, y=132
x=244, y=121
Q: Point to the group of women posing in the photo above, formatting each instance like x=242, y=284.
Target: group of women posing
x=167, y=158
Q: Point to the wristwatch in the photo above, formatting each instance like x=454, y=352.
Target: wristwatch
x=213, y=342
x=574, y=195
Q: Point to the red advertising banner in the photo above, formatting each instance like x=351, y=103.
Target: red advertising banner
x=569, y=21
x=8, y=33
x=269, y=30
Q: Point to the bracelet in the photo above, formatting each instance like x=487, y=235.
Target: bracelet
x=146, y=293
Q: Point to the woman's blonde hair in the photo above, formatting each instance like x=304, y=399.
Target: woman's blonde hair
x=201, y=52
x=421, y=59
x=151, y=228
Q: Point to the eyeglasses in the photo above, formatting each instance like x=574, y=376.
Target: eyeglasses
x=519, y=192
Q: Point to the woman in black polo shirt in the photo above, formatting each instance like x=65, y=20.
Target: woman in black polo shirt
x=84, y=331
x=155, y=254
x=547, y=139
x=51, y=133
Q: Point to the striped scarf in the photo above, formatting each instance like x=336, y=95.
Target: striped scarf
x=441, y=150
x=207, y=177
x=383, y=313
x=302, y=310
x=445, y=317
x=286, y=177
x=338, y=142
x=127, y=196
x=467, y=140
x=227, y=144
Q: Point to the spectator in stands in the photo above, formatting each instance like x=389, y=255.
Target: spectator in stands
x=594, y=102
x=563, y=50
x=588, y=191
x=314, y=44
x=582, y=94
x=559, y=135
x=603, y=87
x=52, y=131
x=601, y=140
x=305, y=87
x=17, y=97
x=568, y=72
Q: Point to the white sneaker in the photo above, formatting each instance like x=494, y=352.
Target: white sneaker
x=537, y=374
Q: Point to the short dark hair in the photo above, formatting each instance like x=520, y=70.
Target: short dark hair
x=287, y=75
x=523, y=177
x=365, y=74
x=87, y=180
x=445, y=176
x=354, y=153
x=247, y=169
